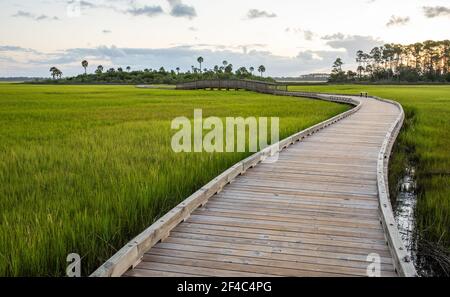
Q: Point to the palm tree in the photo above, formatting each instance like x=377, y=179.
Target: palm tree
x=128, y=68
x=200, y=61
x=178, y=70
x=252, y=69
x=85, y=64
x=229, y=68
x=225, y=63
x=59, y=73
x=53, y=71
x=99, y=69
x=261, y=69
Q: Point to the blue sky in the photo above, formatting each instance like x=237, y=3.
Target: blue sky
x=290, y=37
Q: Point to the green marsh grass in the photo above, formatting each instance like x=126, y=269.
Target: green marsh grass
x=425, y=142
x=83, y=169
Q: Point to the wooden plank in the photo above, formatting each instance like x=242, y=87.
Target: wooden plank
x=300, y=198
x=310, y=242
x=298, y=192
x=270, y=217
x=286, y=216
x=289, y=234
x=303, y=249
x=233, y=269
x=138, y=272
x=251, y=265
x=315, y=194
x=290, y=209
x=312, y=228
x=260, y=258
x=190, y=267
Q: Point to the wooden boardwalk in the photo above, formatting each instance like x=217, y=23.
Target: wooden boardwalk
x=314, y=212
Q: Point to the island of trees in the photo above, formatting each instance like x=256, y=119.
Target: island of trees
x=156, y=76
x=428, y=61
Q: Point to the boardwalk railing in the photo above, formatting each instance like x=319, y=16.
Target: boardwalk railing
x=131, y=254
x=250, y=85
x=403, y=263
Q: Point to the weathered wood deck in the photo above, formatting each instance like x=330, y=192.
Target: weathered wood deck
x=314, y=212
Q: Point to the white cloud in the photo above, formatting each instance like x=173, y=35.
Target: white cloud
x=352, y=43
x=179, y=9
x=256, y=14
x=436, y=11
x=181, y=56
x=29, y=15
x=146, y=10
x=397, y=21
x=307, y=34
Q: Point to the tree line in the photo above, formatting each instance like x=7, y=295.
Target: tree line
x=158, y=76
x=427, y=61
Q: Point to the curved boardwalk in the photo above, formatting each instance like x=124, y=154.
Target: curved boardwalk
x=320, y=210
x=312, y=213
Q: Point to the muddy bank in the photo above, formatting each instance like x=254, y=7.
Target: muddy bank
x=429, y=258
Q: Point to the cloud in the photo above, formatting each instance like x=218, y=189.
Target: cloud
x=182, y=56
x=256, y=13
x=26, y=14
x=436, y=11
x=12, y=48
x=307, y=34
x=45, y=17
x=397, y=21
x=352, y=43
x=86, y=4
x=178, y=9
x=145, y=11
x=335, y=36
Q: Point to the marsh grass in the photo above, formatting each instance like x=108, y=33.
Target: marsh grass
x=424, y=142
x=83, y=169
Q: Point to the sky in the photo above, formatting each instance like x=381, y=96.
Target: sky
x=289, y=37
